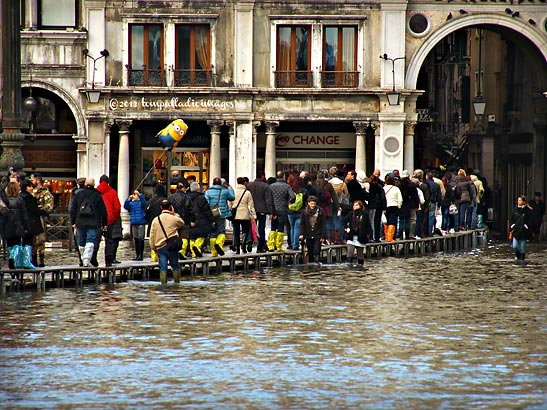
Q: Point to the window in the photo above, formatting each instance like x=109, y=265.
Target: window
x=57, y=13
x=146, y=55
x=340, y=57
x=193, y=55
x=293, y=57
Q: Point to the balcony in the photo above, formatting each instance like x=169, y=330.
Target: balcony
x=339, y=79
x=193, y=78
x=293, y=79
x=145, y=76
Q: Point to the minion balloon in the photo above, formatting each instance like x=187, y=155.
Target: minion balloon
x=170, y=136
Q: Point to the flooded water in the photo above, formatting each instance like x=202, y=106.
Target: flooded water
x=450, y=331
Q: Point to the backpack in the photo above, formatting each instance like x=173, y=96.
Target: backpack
x=298, y=202
x=86, y=207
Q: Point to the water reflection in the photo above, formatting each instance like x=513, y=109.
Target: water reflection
x=447, y=331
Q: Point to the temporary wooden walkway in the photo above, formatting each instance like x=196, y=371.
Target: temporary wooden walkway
x=73, y=275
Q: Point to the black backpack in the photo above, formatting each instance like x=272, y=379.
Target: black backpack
x=86, y=207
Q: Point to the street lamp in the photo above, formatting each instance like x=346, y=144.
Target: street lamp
x=393, y=96
x=479, y=103
x=93, y=95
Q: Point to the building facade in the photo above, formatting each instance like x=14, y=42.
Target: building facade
x=266, y=85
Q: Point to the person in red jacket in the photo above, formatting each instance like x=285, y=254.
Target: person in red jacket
x=113, y=233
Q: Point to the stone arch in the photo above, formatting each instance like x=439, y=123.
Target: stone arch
x=540, y=41
x=67, y=98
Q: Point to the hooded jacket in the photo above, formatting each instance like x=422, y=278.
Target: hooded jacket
x=111, y=202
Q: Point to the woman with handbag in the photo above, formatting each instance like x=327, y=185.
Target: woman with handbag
x=16, y=223
x=243, y=210
x=34, y=213
x=165, y=241
x=520, y=227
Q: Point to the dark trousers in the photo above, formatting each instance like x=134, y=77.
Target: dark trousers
x=261, y=229
x=314, y=249
x=241, y=226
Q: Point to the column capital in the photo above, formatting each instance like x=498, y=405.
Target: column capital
x=271, y=126
x=124, y=125
x=215, y=125
x=409, y=127
x=256, y=124
x=360, y=126
x=80, y=139
x=231, y=126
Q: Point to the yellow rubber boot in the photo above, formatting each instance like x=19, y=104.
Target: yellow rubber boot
x=279, y=242
x=163, y=278
x=219, y=244
x=271, y=241
x=176, y=276
x=212, y=243
x=185, y=243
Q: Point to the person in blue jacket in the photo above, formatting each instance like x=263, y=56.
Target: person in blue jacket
x=219, y=194
x=136, y=205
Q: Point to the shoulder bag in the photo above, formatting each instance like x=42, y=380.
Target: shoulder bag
x=234, y=210
x=215, y=209
x=174, y=243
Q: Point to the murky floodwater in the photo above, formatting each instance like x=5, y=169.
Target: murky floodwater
x=445, y=332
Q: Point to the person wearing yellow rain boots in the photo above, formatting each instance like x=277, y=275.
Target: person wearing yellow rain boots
x=184, y=208
x=282, y=194
x=165, y=226
x=218, y=195
x=394, y=201
x=204, y=220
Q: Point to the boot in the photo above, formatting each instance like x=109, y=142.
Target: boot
x=522, y=256
x=361, y=262
x=137, y=247
x=386, y=228
x=182, y=252
x=87, y=254
x=176, y=276
x=163, y=278
x=517, y=255
x=271, y=241
x=219, y=244
x=279, y=242
x=336, y=237
x=41, y=263
x=35, y=259
x=81, y=255
x=212, y=243
x=390, y=233
x=237, y=246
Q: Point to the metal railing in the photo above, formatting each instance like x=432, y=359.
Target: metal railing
x=293, y=79
x=339, y=79
x=192, y=78
x=145, y=76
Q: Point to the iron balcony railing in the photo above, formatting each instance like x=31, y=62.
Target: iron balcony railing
x=293, y=79
x=145, y=76
x=339, y=79
x=192, y=78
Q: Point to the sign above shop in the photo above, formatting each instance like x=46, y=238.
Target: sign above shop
x=315, y=140
x=174, y=103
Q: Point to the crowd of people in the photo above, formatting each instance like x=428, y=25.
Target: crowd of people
x=308, y=209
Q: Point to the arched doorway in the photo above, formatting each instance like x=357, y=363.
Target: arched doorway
x=501, y=65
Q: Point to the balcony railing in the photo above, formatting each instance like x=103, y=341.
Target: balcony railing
x=145, y=76
x=339, y=79
x=193, y=78
x=293, y=79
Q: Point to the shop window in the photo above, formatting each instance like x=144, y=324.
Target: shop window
x=57, y=13
x=193, y=55
x=160, y=166
x=293, y=57
x=146, y=55
x=340, y=57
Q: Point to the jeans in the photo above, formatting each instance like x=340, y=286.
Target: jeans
x=431, y=228
x=165, y=255
x=86, y=235
x=446, y=217
x=279, y=222
x=462, y=216
x=242, y=225
x=519, y=246
x=220, y=227
x=472, y=213
x=375, y=216
x=294, y=221
x=404, y=225
x=261, y=229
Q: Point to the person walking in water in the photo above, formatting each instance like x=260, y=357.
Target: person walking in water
x=520, y=227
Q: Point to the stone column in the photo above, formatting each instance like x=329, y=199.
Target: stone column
x=11, y=137
x=214, y=158
x=377, y=146
x=409, y=146
x=81, y=155
x=255, y=125
x=231, y=178
x=269, y=163
x=360, y=145
x=123, y=171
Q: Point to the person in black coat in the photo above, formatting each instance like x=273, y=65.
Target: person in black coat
x=204, y=221
x=411, y=202
x=376, y=204
x=358, y=230
x=34, y=226
x=520, y=227
x=88, y=215
x=17, y=220
x=313, y=229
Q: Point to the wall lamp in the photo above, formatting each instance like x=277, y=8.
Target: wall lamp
x=393, y=96
x=93, y=95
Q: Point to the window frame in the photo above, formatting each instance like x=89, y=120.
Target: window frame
x=291, y=78
x=146, y=53
x=42, y=26
x=194, y=73
x=339, y=77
